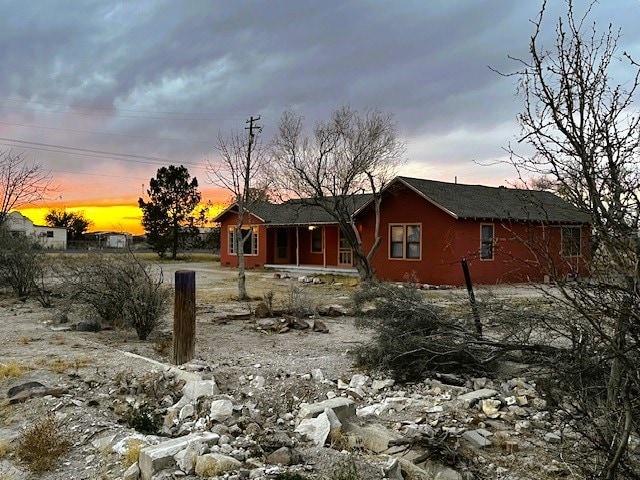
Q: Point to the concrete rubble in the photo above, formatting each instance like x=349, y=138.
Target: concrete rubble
x=256, y=431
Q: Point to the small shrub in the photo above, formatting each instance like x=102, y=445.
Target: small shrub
x=43, y=443
x=346, y=470
x=143, y=419
x=11, y=369
x=290, y=476
x=132, y=452
x=268, y=299
x=297, y=301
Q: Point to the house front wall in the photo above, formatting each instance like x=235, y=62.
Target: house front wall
x=229, y=259
x=521, y=252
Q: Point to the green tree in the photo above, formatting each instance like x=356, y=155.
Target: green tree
x=168, y=217
x=75, y=223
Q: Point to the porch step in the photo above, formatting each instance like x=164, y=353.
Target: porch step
x=313, y=269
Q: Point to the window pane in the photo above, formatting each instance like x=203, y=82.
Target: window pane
x=487, y=233
x=396, y=250
x=316, y=240
x=486, y=242
x=570, y=241
x=397, y=234
x=413, y=233
x=232, y=240
x=413, y=250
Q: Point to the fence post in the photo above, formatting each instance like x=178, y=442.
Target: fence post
x=184, y=317
x=472, y=297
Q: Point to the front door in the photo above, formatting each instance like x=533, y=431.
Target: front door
x=345, y=254
x=282, y=246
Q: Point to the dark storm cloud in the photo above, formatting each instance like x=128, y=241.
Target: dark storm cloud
x=217, y=62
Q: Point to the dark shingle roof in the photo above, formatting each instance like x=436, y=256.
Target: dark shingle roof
x=497, y=203
x=298, y=212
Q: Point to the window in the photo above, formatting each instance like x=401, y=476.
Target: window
x=316, y=240
x=49, y=233
x=404, y=242
x=486, y=242
x=570, y=241
x=250, y=235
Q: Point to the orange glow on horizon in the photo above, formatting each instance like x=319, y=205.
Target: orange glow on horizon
x=120, y=218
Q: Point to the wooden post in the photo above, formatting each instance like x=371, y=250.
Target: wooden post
x=472, y=297
x=184, y=317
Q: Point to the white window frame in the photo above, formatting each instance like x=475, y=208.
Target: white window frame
x=404, y=241
x=493, y=242
x=232, y=232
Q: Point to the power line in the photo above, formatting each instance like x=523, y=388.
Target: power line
x=67, y=149
x=218, y=115
x=99, y=175
x=105, y=133
x=110, y=157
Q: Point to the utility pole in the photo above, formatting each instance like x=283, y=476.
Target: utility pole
x=251, y=128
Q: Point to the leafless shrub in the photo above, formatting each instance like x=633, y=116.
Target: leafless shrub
x=119, y=290
x=21, y=263
x=297, y=301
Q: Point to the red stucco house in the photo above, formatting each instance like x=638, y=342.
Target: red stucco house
x=427, y=227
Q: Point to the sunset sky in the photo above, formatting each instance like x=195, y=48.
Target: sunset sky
x=103, y=93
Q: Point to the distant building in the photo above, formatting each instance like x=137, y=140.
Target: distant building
x=48, y=237
x=111, y=239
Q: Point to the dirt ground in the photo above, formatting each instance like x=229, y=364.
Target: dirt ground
x=88, y=363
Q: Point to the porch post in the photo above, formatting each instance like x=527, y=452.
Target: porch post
x=297, y=247
x=324, y=248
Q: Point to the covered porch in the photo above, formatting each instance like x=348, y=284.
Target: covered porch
x=308, y=247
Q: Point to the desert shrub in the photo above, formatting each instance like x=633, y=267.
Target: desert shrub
x=297, y=301
x=413, y=337
x=347, y=469
x=143, y=419
x=11, y=369
x=120, y=290
x=43, y=443
x=21, y=263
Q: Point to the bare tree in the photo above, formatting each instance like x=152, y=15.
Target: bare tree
x=240, y=171
x=21, y=182
x=350, y=154
x=585, y=136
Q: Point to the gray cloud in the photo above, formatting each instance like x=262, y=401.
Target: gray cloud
x=218, y=62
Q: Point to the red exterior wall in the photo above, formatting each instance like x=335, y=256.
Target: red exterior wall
x=522, y=252
x=250, y=261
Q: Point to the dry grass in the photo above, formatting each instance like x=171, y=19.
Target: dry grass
x=43, y=443
x=132, y=453
x=26, y=340
x=4, y=449
x=10, y=370
x=60, y=365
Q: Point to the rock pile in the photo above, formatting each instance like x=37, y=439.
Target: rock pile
x=242, y=436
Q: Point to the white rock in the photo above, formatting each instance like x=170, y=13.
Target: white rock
x=375, y=409
x=221, y=410
x=186, y=459
x=132, y=473
x=258, y=382
x=193, y=390
x=315, y=429
x=317, y=375
x=187, y=411
x=333, y=419
x=344, y=408
x=359, y=381
x=158, y=457
x=381, y=384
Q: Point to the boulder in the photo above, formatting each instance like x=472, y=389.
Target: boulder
x=344, y=408
x=315, y=429
x=221, y=410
